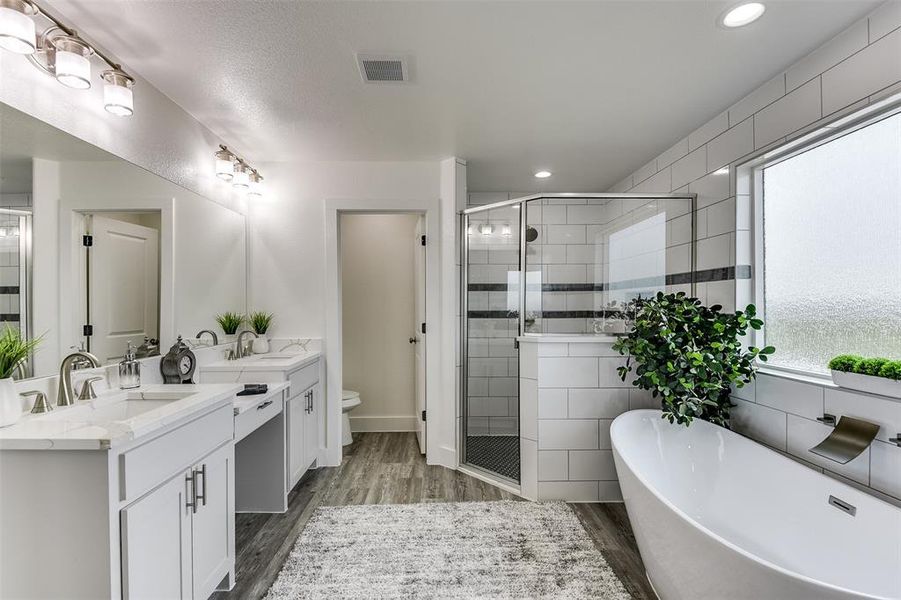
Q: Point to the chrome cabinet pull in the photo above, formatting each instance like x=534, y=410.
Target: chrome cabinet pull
x=201, y=496
x=264, y=404
x=192, y=504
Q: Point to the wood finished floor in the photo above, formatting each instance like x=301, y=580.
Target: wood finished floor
x=387, y=468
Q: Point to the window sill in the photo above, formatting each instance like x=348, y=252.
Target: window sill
x=822, y=381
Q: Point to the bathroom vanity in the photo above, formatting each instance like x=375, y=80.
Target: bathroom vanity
x=304, y=418
x=129, y=495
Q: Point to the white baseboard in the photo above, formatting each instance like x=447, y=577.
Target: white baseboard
x=362, y=424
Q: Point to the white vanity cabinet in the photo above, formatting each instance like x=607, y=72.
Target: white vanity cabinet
x=175, y=539
x=304, y=419
x=151, y=517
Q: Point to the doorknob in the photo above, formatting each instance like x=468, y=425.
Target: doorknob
x=413, y=340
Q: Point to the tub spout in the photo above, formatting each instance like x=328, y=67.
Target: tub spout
x=848, y=440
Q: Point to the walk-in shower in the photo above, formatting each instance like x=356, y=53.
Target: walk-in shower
x=555, y=264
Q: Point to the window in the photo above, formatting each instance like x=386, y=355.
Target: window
x=831, y=248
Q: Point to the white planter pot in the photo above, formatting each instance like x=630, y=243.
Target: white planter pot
x=10, y=402
x=867, y=383
x=260, y=345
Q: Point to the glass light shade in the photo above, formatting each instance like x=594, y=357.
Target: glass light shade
x=225, y=166
x=72, y=68
x=506, y=231
x=241, y=180
x=256, y=185
x=17, y=32
x=118, y=98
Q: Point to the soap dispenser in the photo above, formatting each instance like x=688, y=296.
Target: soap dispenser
x=129, y=370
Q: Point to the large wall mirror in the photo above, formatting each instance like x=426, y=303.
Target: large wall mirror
x=97, y=253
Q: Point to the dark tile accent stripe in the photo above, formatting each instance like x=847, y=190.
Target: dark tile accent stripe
x=8, y=317
x=9, y=289
x=704, y=276
x=547, y=314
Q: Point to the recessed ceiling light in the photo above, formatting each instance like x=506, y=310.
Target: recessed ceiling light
x=742, y=14
x=543, y=174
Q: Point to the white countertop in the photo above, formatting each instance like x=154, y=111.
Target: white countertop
x=275, y=361
x=106, y=422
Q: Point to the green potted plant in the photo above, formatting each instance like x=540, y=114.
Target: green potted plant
x=261, y=322
x=14, y=351
x=690, y=355
x=873, y=375
x=230, y=322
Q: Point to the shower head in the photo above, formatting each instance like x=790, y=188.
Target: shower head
x=531, y=234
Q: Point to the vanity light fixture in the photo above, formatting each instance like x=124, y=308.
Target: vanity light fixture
x=17, y=29
x=506, y=231
x=118, y=98
x=542, y=174
x=61, y=53
x=486, y=229
x=231, y=167
x=742, y=14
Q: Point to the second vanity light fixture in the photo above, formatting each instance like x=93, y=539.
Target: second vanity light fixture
x=232, y=168
x=61, y=53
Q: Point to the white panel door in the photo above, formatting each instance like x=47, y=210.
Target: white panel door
x=156, y=543
x=123, y=286
x=295, y=432
x=418, y=338
x=213, y=546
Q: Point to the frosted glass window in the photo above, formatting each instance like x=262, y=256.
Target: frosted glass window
x=832, y=249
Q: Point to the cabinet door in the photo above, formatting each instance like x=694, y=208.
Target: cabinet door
x=213, y=522
x=296, y=410
x=156, y=543
x=311, y=428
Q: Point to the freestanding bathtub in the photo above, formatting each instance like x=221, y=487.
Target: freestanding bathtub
x=720, y=517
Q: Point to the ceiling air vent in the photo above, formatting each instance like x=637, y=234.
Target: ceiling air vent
x=376, y=68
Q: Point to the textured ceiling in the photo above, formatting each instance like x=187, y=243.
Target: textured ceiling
x=589, y=90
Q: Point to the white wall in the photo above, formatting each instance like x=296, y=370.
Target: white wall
x=288, y=238
x=378, y=304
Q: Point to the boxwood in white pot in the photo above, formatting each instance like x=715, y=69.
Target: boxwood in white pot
x=872, y=375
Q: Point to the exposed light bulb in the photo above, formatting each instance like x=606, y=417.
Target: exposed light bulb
x=17, y=30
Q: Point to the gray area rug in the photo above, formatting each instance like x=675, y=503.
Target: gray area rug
x=446, y=550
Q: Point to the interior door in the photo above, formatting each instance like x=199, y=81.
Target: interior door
x=418, y=338
x=123, y=286
x=156, y=543
x=213, y=550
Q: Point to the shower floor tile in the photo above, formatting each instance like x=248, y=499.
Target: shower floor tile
x=496, y=453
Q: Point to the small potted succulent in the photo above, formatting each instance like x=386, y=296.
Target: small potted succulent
x=261, y=322
x=14, y=351
x=873, y=375
x=230, y=322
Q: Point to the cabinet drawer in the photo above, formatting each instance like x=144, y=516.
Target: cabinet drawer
x=145, y=466
x=248, y=421
x=302, y=379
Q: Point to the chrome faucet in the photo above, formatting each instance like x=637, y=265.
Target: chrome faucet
x=66, y=395
x=240, y=350
x=212, y=334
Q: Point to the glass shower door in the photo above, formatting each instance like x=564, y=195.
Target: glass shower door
x=491, y=370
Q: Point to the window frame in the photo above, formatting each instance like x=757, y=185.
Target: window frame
x=749, y=182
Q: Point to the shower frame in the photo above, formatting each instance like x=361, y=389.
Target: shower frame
x=523, y=226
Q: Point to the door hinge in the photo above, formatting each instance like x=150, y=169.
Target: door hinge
x=516, y=344
x=422, y=327
x=88, y=330
x=87, y=241
x=422, y=240
x=423, y=415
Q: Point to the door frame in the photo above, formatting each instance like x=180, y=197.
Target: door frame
x=332, y=452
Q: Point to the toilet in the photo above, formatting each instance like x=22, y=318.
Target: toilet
x=349, y=401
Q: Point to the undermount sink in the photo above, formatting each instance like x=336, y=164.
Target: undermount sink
x=107, y=410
